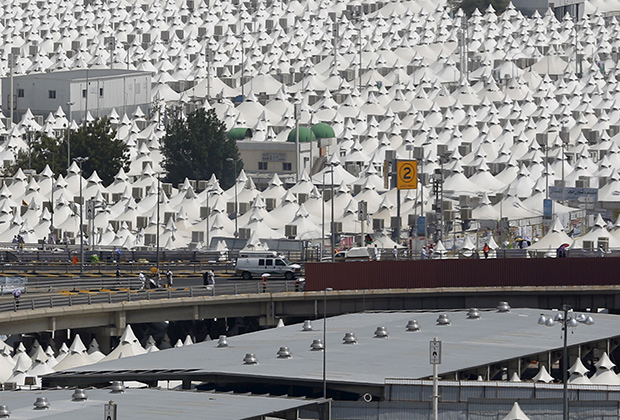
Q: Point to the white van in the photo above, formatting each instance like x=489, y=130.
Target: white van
x=259, y=262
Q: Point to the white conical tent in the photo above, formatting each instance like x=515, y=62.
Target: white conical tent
x=516, y=413
x=578, y=373
x=129, y=346
x=77, y=356
x=552, y=240
x=604, y=374
x=543, y=375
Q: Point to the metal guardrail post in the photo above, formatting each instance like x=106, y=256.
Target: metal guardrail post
x=89, y=299
x=70, y=301
x=236, y=291
x=32, y=304
x=109, y=297
x=191, y=292
x=51, y=302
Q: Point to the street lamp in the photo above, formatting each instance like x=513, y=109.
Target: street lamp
x=79, y=161
x=565, y=321
x=69, y=136
x=333, y=238
x=236, y=204
x=327, y=289
x=157, y=238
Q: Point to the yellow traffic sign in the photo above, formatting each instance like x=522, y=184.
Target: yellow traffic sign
x=406, y=174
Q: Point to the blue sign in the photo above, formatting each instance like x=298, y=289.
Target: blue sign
x=548, y=208
x=421, y=226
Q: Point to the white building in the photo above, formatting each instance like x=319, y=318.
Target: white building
x=78, y=91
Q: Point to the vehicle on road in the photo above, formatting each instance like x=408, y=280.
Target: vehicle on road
x=353, y=254
x=260, y=262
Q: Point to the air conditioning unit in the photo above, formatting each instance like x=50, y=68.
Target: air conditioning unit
x=270, y=204
x=603, y=244
x=446, y=205
x=243, y=208
x=466, y=214
x=378, y=224
x=465, y=201
x=204, y=212
x=116, y=197
x=169, y=215
x=394, y=222
x=302, y=198
x=245, y=233
x=230, y=208
x=137, y=193
x=588, y=245
x=198, y=237
x=202, y=185
x=167, y=188
x=412, y=219
x=290, y=231
x=448, y=215
x=142, y=222
x=338, y=227
x=150, y=239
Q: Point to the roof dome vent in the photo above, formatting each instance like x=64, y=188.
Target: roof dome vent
x=542, y=320
x=79, y=395
x=41, y=404
x=503, y=307
x=413, y=325
x=284, y=353
x=222, y=341
x=250, y=359
x=307, y=326
x=381, y=332
x=317, y=345
x=117, y=387
x=4, y=411
x=443, y=320
x=473, y=313
x=589, y=320
x=349, y=338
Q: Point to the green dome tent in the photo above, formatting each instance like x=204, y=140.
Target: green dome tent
x=305, y=135
x=239, y=133
x=323, y=131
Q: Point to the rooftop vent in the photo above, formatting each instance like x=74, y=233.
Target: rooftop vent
x=284, y=353
x=381, y=332
x=317, y=345
x=117, y=387
x=4, y=411
x=349, y=338
x=41, y=404
x=503, y=307
x=307, y=326
x=250, y=359
x=473, y=313
x=542, y=320
x=222, y=342
x=582, y=318
x=443, y=320
x=413, y=325
x=79, y=395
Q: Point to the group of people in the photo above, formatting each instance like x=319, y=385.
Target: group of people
x=18, y=240
x=154, y=280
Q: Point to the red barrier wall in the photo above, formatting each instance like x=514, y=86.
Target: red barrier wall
x=463, y=273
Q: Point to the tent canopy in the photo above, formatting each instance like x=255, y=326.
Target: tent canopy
x=322, y=131
x=305, y=135
x=239, y=133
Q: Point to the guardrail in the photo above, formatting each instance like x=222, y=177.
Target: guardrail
x=118, y=295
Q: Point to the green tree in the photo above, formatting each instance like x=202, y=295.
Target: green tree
x=197, y=147
x=469, y=6
x=95, y=140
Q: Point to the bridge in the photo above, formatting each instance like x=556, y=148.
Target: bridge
x=106, y=317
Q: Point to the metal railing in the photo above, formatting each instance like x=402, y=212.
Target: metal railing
x=118, y=295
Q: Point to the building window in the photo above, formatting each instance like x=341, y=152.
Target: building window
x=286, y=166
x=20, y=93
x=101, y=92
x=51, y=94
x=262, y=166
x=83, y=93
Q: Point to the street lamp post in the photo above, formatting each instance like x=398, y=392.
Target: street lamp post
x=565, y=321
x=69, y=136
x=79, y=161
x=157, y=219
x=333, y=229
x=236, y=204
x=48, y=152
x=327, y=289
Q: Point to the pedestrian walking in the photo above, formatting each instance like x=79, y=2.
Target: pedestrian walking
x=486, y=250
x=142, y=280
x=395, y=253
x=211, y=278
x=205, y=278
x=375, y=253
x=16, y=294
x=168, y=278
